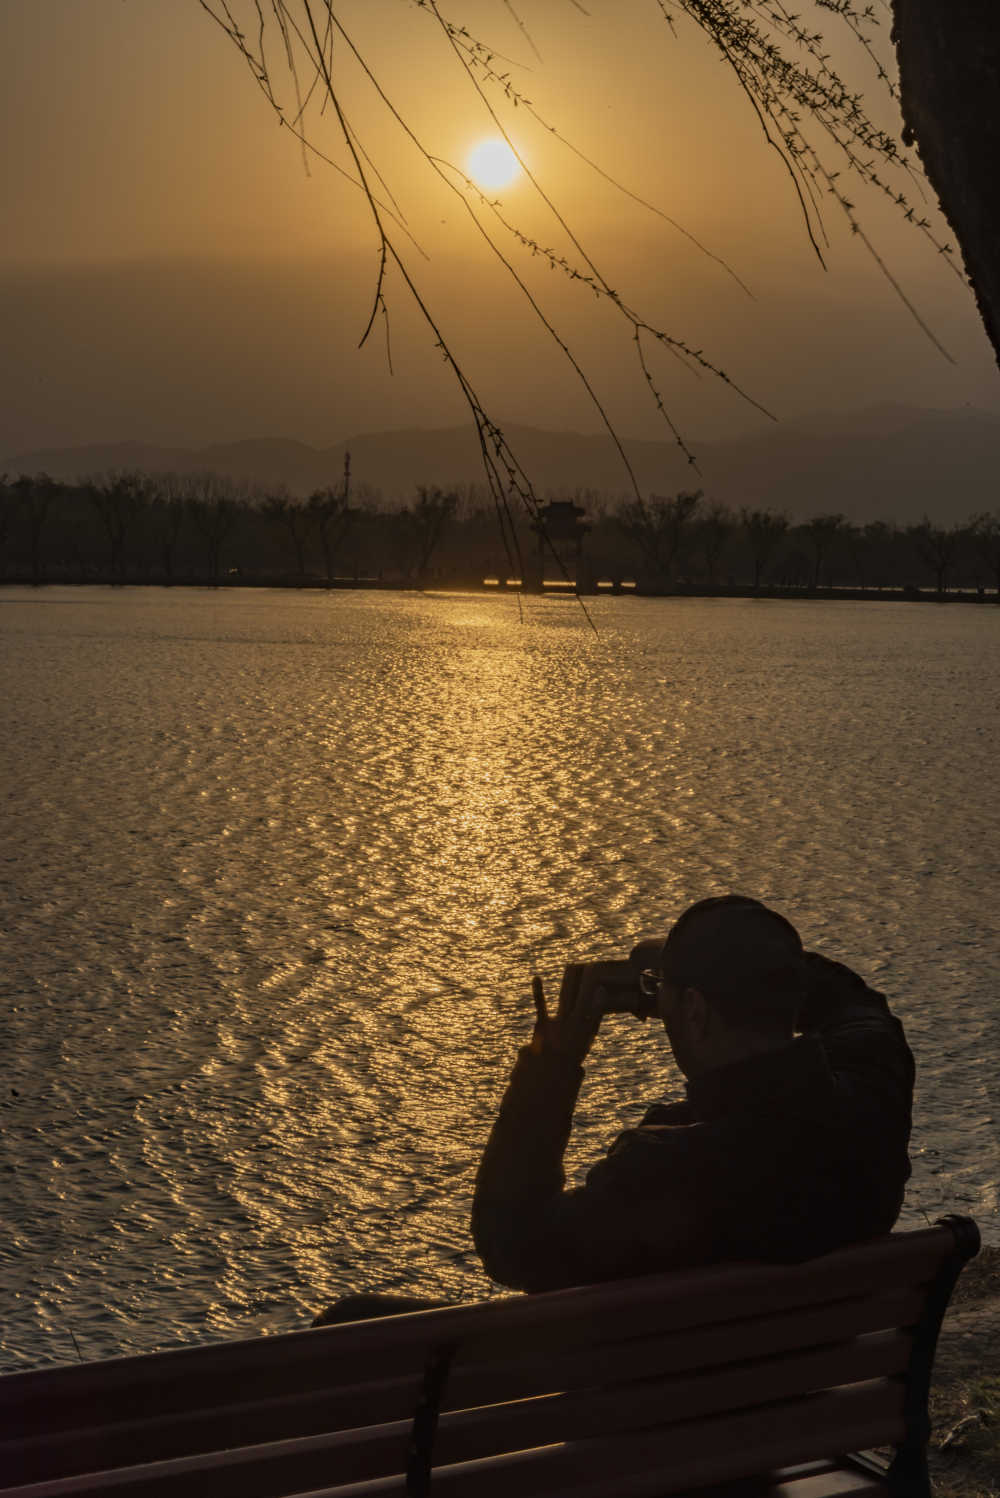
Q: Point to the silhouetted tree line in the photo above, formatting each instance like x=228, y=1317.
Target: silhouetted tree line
x=131, y=527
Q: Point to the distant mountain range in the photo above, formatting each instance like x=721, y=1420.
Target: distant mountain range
x=885, y=462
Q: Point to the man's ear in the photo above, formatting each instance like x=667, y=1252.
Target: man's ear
x=696, y=1012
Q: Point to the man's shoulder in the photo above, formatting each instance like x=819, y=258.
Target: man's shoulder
x=670, y=1147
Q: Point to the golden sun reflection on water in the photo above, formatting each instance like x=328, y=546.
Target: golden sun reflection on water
x=262, y=1021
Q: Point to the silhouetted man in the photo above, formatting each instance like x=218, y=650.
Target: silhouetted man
x=792, y=1140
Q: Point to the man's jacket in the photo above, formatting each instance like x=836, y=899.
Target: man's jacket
x=779, y=1158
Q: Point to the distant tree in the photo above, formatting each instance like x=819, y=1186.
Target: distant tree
x=763, y=529
x=118, y=496
x=793, y=568
x=854, y=545
x=875, y=552
x=214, y=508
x=984, y=534
x=424, y=527
x=936, y=547
x=34, y=496
x=658, y=528
x=867, y=548
x=169, y=494
x=713, y=530
x=295, y=519
x=8, y=502
x=333, y=517
x=820, y=534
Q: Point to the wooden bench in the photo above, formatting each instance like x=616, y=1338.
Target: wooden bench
x=744, y=1380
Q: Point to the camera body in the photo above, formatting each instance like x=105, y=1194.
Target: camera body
x=619, y=979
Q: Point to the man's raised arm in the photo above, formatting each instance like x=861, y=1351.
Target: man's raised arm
x=530, y=1232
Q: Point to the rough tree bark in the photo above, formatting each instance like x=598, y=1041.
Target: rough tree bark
x=949, y=69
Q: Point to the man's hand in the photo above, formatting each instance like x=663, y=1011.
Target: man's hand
x=577, y=1020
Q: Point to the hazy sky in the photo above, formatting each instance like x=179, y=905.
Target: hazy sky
x=172, y=272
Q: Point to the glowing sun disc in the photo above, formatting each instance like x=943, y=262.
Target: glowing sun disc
x=493, y=164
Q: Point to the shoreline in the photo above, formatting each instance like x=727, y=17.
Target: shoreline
x=492, y=588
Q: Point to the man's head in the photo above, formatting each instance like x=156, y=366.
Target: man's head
x=732, y=980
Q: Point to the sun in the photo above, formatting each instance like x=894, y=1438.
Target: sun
x=492, y=164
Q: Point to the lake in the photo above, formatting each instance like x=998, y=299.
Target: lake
x=277, y=867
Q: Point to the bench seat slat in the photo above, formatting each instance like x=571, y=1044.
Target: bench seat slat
x=845, y=1483
x=840, y=1485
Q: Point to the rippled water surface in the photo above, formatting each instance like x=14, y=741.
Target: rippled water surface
x=276, y=867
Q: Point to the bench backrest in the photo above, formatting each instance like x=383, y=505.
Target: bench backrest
x=640, y=1387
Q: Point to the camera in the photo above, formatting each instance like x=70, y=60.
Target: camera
x=619, y=979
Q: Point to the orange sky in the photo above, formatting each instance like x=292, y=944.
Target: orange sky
x=172, y=273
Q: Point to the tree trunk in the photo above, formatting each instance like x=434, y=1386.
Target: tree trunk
x=327, y=555
x=949, y=70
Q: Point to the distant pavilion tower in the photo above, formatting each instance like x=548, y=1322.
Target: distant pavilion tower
x=562, y=523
